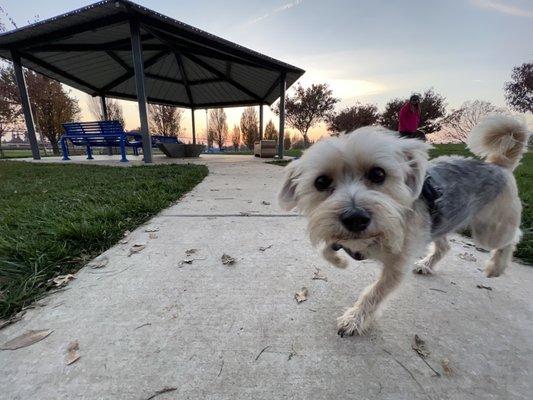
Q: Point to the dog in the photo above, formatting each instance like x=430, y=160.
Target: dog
x=377, y=196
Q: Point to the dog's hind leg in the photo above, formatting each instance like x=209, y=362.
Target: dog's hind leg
x=358, y=318
x=499, y=261
x=438, y=249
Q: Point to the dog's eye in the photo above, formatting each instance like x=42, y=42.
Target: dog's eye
x=323, y=182
x=376, y=175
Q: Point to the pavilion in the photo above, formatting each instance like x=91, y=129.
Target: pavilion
x=118, y=49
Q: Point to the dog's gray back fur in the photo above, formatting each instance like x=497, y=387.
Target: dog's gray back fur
x=465, y=186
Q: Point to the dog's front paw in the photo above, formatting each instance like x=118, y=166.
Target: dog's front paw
x=332, y=257
x=353, y=321
x=422, y=268
x=492, y=270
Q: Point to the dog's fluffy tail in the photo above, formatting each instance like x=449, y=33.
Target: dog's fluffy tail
x=499, y=139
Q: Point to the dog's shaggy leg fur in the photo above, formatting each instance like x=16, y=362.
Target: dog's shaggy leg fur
x=499, y=261
x=357, y=319
x=332, y=257
x=438, y=249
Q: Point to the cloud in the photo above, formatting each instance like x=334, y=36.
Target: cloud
x=277, y=10
x=504, y=8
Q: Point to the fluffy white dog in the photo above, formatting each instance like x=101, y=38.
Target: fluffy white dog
x=375, y=195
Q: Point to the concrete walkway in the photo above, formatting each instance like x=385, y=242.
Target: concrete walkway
x=146, y=322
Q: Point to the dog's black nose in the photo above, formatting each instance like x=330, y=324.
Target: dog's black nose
x=356, y=220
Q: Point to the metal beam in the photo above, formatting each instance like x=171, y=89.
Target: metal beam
x=123, y=78
x=120, y=44
x=273, y=87
x=282, y=89
x=260, y=122
x=105, y=116
x=26, y=106
x=57, y=71
x=200, y=62
x=118, y=60
x=141, y=89
x=193, y=127
x=183, y=74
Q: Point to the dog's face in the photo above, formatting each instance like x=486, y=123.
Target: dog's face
x=355, y=189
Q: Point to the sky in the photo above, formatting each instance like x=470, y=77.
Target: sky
x=367, y=51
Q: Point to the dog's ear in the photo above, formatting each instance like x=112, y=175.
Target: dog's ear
x=287, y=195
x=415, y=153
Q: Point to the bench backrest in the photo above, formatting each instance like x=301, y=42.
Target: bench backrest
x=94, y=128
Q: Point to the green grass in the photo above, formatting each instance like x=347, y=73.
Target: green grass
x=54, y=218
x=524, y=179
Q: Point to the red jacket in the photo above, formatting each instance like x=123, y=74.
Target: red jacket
x=408, y=119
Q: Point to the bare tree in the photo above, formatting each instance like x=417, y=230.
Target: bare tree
x=519, y=91
x=165, y=120
x=271, y=133
x=308, y=107
x=457, y=125
x=9, y=109
x=354, y=117
x=114, y=110
x=218, y=126
x=236, y=137
x=249, y=127
x=287, y=141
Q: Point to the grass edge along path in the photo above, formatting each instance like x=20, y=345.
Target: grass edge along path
x=56, y=217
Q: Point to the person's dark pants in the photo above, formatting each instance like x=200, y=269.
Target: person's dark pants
x=414, y=135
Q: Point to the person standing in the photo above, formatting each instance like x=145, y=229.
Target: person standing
x=409, y=119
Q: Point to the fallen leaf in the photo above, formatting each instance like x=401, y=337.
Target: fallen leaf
x=126, y=233
x=152, y=236
x=26, y=339
x=265, y=248
x=99, y=263
x=227, y=259
x=62, y=279
x=136, y=248
x=72, y=352
x=190, y=252
x=265, y=203
x=152, y=229
x=188, y=261
x=446, y=367
x=301, y=295
x=419, y=346
x=480, y=286
x=467, y=257
x=318, y=275
x=12, y=320
x=164, y=390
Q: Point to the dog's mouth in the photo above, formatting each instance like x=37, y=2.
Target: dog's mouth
x=356, y=255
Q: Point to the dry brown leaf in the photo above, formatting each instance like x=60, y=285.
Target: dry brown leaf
x=126, y=233
x=467, y=257
x=62, y=279
x=152, y=229
x=99, y=263
x=265, y=248
x=152, y=236
x=164, y=390
x=419, y=346
x=227, y=259
x=480, y=286
x=301, y=295
x=26, y=339
x=13, y=319
x=446, y=367
x=72, y=352
x=190, y=252
x=265, y=203
x=137, y=247
x=318, y=275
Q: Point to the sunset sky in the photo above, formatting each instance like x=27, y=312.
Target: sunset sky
x=367, y=51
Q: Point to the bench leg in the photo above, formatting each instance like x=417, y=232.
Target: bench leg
x=123, y=151
x=135, y=151
x=89, y=153
x=64, y=149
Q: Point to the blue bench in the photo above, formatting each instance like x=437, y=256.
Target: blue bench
x=105, y=134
